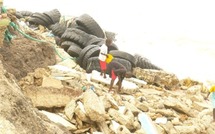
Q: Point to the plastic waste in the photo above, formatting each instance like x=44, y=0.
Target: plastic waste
x=147, y=124
x=109, y=58
x=84, y=88
x=92, y=88
x=161, y=120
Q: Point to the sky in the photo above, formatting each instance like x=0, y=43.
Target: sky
x=177, y=35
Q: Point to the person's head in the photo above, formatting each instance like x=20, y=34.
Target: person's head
x=108, y=42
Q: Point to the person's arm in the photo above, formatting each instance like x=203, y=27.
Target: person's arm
x=111, y=84
x=119, y=83
x=207, y=96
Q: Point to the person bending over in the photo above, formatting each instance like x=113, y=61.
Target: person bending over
x=116, y=69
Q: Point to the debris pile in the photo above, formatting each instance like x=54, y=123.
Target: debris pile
x=48, y=88
x=96, y=110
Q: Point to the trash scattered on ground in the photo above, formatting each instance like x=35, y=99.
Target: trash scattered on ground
x=53, y=62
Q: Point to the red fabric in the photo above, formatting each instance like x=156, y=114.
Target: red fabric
x=113, y=76
x=103, y=65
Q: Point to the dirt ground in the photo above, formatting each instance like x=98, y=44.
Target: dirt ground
x=25, y=55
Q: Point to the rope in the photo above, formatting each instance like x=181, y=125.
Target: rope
x=3, y=9
x=8, y=36
x=34, y=39
x=89, y=65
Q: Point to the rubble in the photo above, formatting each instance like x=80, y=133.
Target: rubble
x=176, y=109
x=60, y=97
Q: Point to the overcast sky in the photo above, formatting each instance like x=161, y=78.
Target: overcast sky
x=193, y=18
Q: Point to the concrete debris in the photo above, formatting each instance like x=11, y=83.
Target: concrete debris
x=72, y=101
x=169, y=111
x=91, y=109
x=157, y=77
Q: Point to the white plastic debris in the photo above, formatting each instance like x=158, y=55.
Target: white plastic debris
x=161, y=120
x=121, y=109
x=115, y=125
x=62, y=68
x=95, y=76
x=147, y=124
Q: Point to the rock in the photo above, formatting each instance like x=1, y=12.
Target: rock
x=178, y=106
x=41, y=72
x=93, y=106
x=165, y=112
x=140, y=131
x=109, y=102
x=185, y=129
x=176, y=121
x=188, y=82
x=64, y=71
x=51, y=82
x=18, y=114
x=70, y=109
x=132, y=107
x=139, y=82
x=58, y=119
x=194, y=89
x=69, y=62
x=46, y=97
x=104, y=128
x=158, y=77
x=114, y=125
x=6, y=126
x=210, y=129
x=143, y=107
x=169, y=128
x=199, y=106
x=82, y=130
x=81, y=113
x=122, y=130
x=204, y=112
x=126, y=120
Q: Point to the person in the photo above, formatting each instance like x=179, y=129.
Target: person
x=103, y=55
x=212, y=92
x=116, y=69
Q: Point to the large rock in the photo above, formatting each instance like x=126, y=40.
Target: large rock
x=46, y=97
x=178, y=106
x=17, y=113
x=157, y=77
x=94, y=108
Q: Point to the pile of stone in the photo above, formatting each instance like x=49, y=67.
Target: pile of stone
x=171, y=110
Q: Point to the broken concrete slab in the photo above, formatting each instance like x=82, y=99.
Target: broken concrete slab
x=51, y=82
x=93, y=106
x=58, y=119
